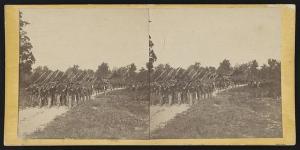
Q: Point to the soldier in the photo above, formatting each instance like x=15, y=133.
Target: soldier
x=72, y=95
x=58, y=91
x=198, y=92
x=64, y=95
x=78, y=93
x=41, y=96
x=104, y=89
x=85, y=92
x=51, y=97
x=178, y=94
x=90, y=92
x=162, y=96
x=82, y=93
x=194, y=94
x=169, y=94
x=204, y=90
x=184, y=95
x=35, y=93
x=189, y=96
x=159, y=93
x=201, y=91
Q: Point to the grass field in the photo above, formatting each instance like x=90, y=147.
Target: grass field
x=121, y=114
x=235, y=113
x=124, y=114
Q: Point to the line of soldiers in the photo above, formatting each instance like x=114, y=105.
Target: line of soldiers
x=181, y=92
x=55, y=93
x=168, y=92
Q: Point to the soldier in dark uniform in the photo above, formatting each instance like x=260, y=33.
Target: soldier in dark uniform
x=159, y=93
x=51, y=90
x=57, y=94
x=72, y=94
x=64, y=95
x=163, y=95
x=198, y=92
x=82, y=93
x=90, y=92
x=184, y=94
x=189, y=95
x=169, y=94
x=77, y=94
x=41, y=96
x=178, y=93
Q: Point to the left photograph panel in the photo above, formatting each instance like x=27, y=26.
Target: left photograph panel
x=83, y=73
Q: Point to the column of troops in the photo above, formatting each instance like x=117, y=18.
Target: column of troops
x=55, y=93
x=183, y=93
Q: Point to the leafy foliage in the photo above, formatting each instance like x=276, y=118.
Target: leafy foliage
x=225, y=67
x=102, y=71
x=152, y=55
x=26, y=58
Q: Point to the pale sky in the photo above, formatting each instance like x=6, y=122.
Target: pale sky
x=87, y=37
x=208, y=35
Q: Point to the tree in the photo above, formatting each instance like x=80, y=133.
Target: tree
x=264, y=72
x=102, y=71
x=240, y=73
x=224, y=68
x=253, y=71
x=26, y=58
x=75, y=69
x=131, y=71
x=142, y=76
x=275, y=70
x=168, y=67
x=212, y=69
x=90, y=71
x=197, y=65
x=152, y=55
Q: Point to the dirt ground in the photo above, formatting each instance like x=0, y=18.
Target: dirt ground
x=121, y=114
x=32, y=119
x=160, y=115
x=231, y=114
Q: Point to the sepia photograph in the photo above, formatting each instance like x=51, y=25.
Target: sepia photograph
x=143, y=74
x=217, y=76
x=83, y=73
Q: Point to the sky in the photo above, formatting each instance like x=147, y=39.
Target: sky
x=209, y=35
x=88, y=37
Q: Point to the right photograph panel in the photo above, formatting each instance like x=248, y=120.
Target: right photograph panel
x=216, y=73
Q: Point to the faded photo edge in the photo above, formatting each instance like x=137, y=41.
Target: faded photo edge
x=12, y=76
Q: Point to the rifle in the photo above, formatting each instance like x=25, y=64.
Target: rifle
x=160, y=75
x=40, y=77
x=49, y=75
x=167, y=76
x=53, y=79
x=194, y=76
